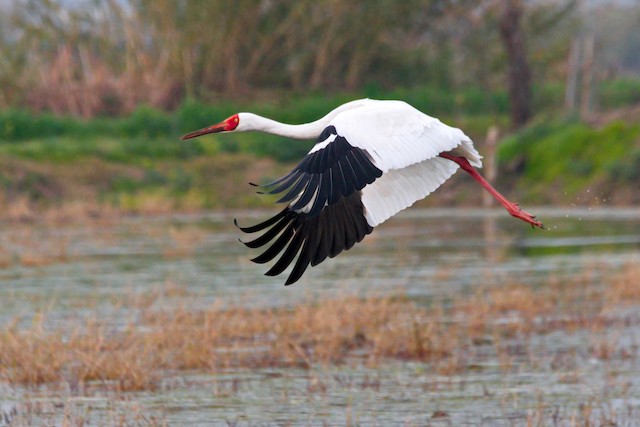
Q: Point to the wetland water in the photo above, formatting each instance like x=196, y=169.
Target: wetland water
x=70, y=272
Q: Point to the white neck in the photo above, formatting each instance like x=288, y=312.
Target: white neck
x=250, y=121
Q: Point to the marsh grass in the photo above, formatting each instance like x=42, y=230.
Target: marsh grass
x=158, y=341
x=93, y=186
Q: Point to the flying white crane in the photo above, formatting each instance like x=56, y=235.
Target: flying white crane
x=371, y=160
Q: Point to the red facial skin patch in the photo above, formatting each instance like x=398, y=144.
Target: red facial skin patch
x=231, y=123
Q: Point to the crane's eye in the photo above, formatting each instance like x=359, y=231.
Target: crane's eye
x=232, y=122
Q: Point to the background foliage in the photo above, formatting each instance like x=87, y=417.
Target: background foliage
x=106, y=57
x=95, y=93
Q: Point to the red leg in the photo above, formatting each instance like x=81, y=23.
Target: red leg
x=511, y=207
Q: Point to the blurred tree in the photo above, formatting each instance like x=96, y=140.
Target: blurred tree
x=518, y=71
x=91, y=57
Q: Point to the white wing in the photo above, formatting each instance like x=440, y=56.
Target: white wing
x=404, y=144
x=400, y=188
x=396, y=135
x=368, y=164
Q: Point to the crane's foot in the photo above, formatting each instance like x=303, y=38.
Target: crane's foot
x=516, y=211
x=511, y=207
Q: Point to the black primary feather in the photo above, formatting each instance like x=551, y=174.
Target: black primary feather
x=326, y=175
x=312, y=238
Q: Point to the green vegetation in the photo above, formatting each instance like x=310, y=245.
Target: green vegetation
x=558, y=158
x=139, y=163
x=94, y=97
x=614, y=93
x=149, y=133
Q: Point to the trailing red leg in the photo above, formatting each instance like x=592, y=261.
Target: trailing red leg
x=513, y=208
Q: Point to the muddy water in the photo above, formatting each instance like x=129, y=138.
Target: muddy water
x=70, y=272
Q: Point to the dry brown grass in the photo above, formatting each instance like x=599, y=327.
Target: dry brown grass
x=21, y=210
x=66, y=87
x=315, y=333
x=5, y=258
x=42, y=255
x=181, y=339
x=624, y=288
x=29, y=247
x=83, y=189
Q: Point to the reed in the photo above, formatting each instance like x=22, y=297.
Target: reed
x=368, y=329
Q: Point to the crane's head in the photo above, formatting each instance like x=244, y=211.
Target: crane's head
x=224, y=126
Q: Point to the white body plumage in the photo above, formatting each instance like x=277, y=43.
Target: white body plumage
x=371, y=160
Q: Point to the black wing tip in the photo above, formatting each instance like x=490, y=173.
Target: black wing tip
x=261, y=260
x=235, y=222
x=247, y=244
x=243, y=229
x=310, y=238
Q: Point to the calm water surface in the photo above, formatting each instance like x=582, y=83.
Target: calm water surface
x=74, y=271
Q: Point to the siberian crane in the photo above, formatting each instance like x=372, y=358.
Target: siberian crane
x=371, y=160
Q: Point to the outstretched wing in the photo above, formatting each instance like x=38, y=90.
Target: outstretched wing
x=325, y=214
x=337, y=227
x=397, y=135
x=333, y=169
x=370, y=163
